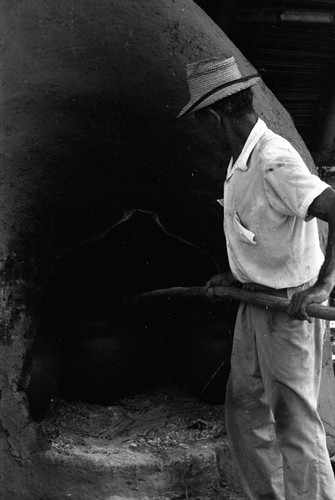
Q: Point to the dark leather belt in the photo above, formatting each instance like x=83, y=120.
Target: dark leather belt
x=256, y=287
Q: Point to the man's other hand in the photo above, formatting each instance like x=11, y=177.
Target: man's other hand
x=300, y=301
x=218, y=281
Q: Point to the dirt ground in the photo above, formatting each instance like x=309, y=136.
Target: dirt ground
x=168, y=425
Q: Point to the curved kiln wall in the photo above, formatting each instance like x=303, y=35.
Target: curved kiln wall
x=89, y=101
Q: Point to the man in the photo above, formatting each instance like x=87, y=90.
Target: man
x=271, y=202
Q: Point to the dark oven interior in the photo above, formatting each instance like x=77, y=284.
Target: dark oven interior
x=96, y=345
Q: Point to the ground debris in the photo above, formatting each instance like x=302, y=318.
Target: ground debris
x=155, y=420
x=165, y=434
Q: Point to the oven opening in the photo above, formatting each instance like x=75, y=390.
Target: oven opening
x=98, y=346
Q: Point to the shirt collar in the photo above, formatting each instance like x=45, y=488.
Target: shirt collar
x=254, y=136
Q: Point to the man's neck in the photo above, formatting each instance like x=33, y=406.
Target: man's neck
x=238, y=132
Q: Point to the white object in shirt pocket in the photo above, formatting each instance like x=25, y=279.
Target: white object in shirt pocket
x=243, y=233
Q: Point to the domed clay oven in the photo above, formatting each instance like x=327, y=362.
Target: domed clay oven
x=89, y=136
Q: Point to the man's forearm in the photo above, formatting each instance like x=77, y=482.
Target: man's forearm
x=323, y=208
x=326, y=276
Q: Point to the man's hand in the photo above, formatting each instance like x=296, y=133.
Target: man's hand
x=214, y=285
x=300, y=301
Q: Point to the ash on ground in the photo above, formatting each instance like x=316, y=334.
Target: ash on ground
x=154, y=420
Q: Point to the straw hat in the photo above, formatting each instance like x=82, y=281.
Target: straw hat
x=212, y=80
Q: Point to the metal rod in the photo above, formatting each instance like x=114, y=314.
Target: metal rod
x=213, y=376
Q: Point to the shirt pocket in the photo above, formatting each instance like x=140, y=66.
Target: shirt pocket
x=243, y=233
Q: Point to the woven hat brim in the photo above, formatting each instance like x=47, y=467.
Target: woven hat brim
x=215, y=96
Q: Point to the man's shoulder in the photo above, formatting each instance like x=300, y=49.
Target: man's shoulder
x=272, y=146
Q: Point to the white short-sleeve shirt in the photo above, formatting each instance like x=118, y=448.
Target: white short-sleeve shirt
x=270, y=237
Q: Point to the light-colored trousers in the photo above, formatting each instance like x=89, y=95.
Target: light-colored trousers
x=275, y=432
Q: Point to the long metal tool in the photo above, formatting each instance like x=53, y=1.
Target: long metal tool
x=257, y=298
